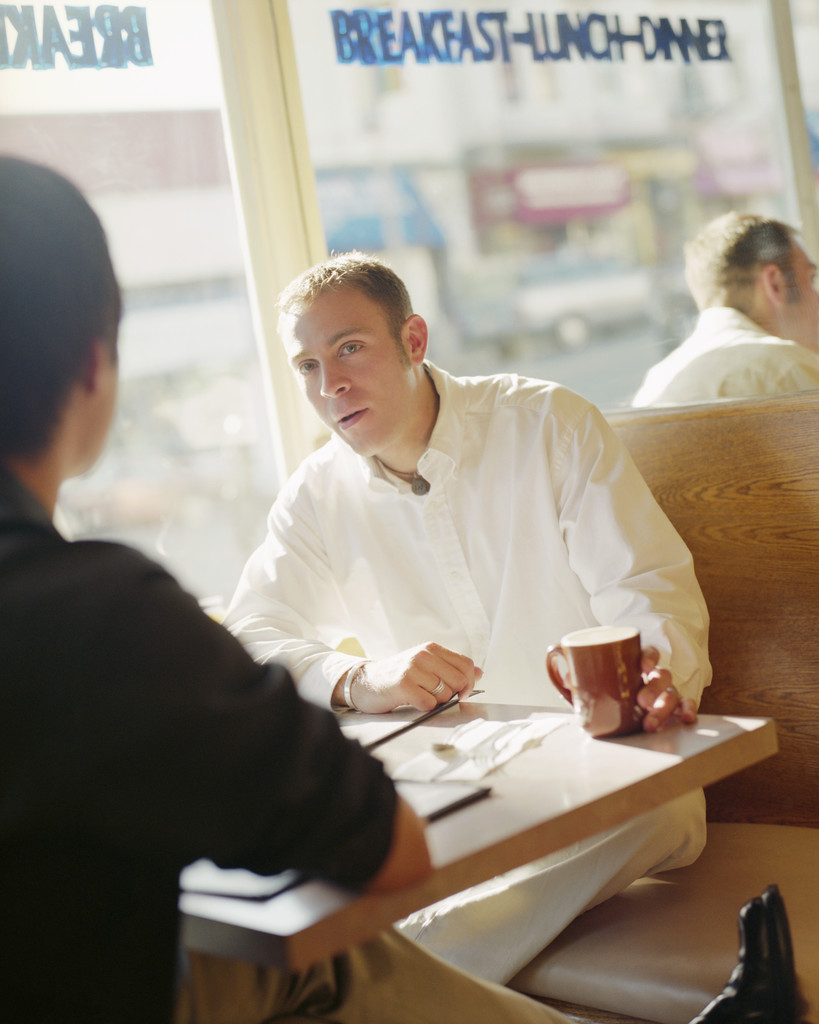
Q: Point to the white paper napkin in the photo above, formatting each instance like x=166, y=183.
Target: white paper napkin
x=476, y=748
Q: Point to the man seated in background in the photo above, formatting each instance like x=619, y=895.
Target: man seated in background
x=758, y=328
x=456, y=527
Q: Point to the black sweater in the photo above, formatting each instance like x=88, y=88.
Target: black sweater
x=136, y=735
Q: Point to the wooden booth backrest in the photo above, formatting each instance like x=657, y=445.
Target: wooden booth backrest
x=740, y=481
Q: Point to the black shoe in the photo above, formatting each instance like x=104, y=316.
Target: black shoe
x=762, y=986
x=784, y=980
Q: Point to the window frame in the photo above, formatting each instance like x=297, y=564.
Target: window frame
x=275, y=188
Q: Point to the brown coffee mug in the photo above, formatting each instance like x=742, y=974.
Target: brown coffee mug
x=601, y=677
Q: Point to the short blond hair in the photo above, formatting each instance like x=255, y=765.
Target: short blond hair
x=355, y=271
x=723, y=261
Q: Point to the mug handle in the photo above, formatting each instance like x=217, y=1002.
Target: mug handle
x=552, y=655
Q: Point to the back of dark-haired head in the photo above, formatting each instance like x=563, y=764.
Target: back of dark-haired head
x=723, y=261
x=351, y=270
x=58, y=292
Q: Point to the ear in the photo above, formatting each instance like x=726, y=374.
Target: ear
x=774, y=287
x=415, y=336
x=96, y=362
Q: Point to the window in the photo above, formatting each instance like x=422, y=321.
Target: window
x=127, y=103
x=533, y=176
x=536, y=207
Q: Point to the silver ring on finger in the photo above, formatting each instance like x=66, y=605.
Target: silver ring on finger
x=438, y=688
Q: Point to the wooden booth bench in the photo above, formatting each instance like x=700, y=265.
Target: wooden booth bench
x=740, y=481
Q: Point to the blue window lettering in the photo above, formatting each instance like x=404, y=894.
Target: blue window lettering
x=499, y=18
x=84, y=35
x=450, y=35
x=53, y=40
x=428, y=22
x=71, y=32
x=364, y=26
x=388, y=36
x=106, y=22
x=345, y=48
x=389, y=44
x=489, y=52
x=135, y=28
x=26, y=47
x=604, y=52
x=408, y=40
x=466, y=40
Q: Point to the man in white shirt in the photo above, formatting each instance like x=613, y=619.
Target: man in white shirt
x=456, y=527
x=758, y=328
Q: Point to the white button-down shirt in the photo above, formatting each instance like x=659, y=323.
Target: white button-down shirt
x=536, y=523
x=728, y=356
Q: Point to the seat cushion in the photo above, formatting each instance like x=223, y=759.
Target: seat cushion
x=665, y=946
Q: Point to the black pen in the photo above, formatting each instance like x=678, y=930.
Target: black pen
x=417, y=721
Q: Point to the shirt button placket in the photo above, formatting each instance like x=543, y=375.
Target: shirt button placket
x=457, y=578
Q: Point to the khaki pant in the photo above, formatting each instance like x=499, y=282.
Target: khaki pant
x=387, y=981
x=494, y=929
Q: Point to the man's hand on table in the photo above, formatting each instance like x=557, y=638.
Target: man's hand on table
x=659, y=698
x=421, y=677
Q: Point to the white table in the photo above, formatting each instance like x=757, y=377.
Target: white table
x=568, y=788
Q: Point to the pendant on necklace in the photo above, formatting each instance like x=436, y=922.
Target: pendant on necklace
x=419, y=484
